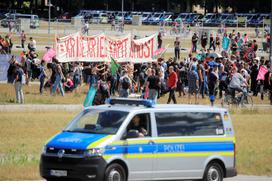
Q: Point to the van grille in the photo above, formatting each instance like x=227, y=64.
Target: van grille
x=52, y=150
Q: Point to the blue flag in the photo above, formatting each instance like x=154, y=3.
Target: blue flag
x=225, y=43
x=90, y=97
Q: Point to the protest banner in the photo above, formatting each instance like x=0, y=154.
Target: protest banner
x=101, y=48
x=262, y=71
x=4, y=65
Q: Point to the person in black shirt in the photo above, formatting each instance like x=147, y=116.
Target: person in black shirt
x=153, y=86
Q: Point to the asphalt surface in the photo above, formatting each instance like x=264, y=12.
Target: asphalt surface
x=237, y=178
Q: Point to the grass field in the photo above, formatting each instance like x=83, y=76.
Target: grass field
x=24, y=133
x=32, y=96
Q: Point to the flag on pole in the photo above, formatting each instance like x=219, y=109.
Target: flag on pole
x=114, y=66
x=90, y=97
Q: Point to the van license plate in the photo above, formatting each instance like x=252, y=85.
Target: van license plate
x=58, y=173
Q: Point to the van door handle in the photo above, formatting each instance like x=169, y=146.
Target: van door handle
x=151, y=142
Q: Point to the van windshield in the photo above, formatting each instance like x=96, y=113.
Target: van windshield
x=98, y=122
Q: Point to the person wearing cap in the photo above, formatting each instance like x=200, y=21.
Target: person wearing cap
x=237, y=82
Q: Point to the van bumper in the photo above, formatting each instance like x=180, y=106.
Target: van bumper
x=231, y=172
x=84, y=168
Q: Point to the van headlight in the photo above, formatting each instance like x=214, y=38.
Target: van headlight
x=95, y=152
x=44, y=150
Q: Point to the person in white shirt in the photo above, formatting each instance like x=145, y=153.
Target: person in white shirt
x=32, y=45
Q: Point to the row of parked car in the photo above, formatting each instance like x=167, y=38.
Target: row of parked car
x=149, y=18
x=153, y=18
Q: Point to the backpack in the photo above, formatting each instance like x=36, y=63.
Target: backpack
x=104, y=89
x=125, y=83
x=23, y=80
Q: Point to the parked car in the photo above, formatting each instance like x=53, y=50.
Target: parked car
x=145, y=17
x=129, y=16
x=252, y=19
x=155, y=19
x=34, y=19
x=99, y=18
x=229, y=19
x=181, y=17
x=167, y=18
x=65, y=17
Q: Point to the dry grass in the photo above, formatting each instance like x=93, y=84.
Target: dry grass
x=32, y=96
x=23, y=135
x=22, y=138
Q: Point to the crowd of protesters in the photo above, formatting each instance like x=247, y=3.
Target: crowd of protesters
x=202, y=74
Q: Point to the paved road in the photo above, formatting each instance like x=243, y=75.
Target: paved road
x=249, y=178
x=238, y=178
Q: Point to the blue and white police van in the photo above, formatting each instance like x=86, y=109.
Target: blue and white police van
x=135, y=140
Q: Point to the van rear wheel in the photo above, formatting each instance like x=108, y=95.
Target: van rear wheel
x=115, y=172
x=213, y=172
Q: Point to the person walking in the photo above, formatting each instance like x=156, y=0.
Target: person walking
x=204, y=41
x=217, y=43
x=212, y=42
x=153, y=82
x=177, y=48
x=193, y=83
x=42, y=76
x=23, y=39
x=58, y=79
x=32, y=45
x=212, y=84
x=172, y=84
x=19, y=81
x=159, y=40
x=194, y=42
x=202, y=77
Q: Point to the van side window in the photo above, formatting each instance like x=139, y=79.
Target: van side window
x=189, y=124
x=141, y=123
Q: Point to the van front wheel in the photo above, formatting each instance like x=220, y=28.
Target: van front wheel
x=115, y=172
x=213, y=172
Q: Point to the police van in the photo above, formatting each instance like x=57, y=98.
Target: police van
x=130, y=139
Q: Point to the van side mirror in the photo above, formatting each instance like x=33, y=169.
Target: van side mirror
x=132, y=134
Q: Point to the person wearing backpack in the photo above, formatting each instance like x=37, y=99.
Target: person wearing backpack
x=124, y=85
x=18, y=82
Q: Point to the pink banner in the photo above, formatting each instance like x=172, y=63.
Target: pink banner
x=262, y=71
x=49, y=55
x=100, y=48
